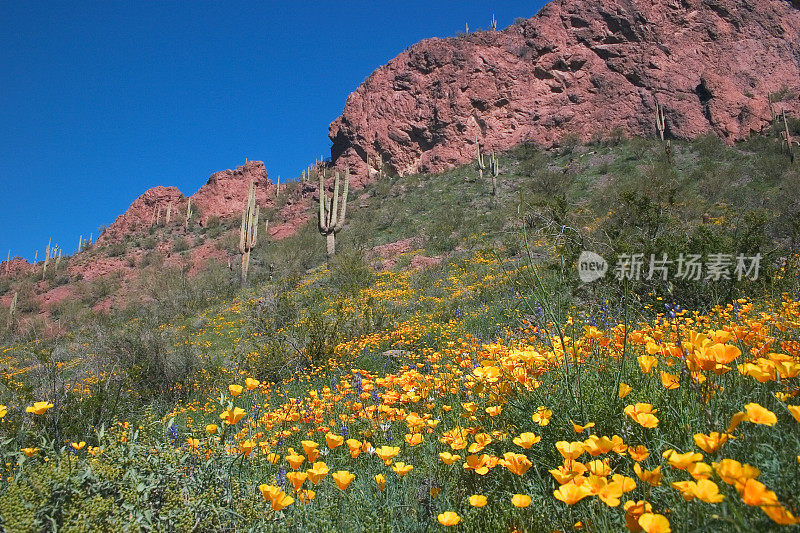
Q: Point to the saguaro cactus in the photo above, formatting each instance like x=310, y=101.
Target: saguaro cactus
x=248, y=234
x=661, y=126
x=494, y=171
x=331, y=217
x=188, y=212
x=46, y=258
x=786, y=138
x=481, y=162
x=12, y=309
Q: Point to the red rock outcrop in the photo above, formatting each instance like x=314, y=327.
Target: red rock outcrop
x=145, y=211
x=225, y=193
x=15, y=266
x=577, y=67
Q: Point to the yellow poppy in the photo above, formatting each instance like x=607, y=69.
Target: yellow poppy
x=343, y=478
x=413, y=438
x=757, y=414
x=670, y=381
x=448, y=458
x=712, y=442
x=542, y=415
x=571, y=493
x=642, y=414
x=387, y=453
x=333, y=440
x=639, y=453
x=448, y=518
x=477, y=500
x=281, y=501
x=654, y=523
x=306, y=495
x=580, y=429
x=570, y=450
x=521, y=500
x=526, y=440
x=624, y=390
x=516, y=463
x=401, y=469
x=317, y=471
x=646, y=363
x=39, y=408
x=232, y=417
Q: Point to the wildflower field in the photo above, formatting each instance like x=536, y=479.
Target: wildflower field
x=488, y=393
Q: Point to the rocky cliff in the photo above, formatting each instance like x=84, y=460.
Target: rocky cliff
x=223, y=195
x=577, y=67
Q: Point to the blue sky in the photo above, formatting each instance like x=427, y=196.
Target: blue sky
x=102, y=100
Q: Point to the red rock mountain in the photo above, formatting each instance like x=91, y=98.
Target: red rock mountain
x=581, y=67
x=223, y=195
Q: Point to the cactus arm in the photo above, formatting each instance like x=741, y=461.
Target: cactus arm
x=242, y=230
x=323, y=200
x=340, y=222
x=255, y=226
x=335, y=203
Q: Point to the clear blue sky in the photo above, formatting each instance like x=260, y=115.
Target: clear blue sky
x=102, y=100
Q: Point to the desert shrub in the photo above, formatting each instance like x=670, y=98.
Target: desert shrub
x=214, y=227
x=116, y=249
x=153, y=362
x=27, y=302
x=350, y=272
x=149, y=242
x=99, y=288
x=169, y=292
x=288, y=258
x=153, y=258
x=180, y=244
x=70, y=312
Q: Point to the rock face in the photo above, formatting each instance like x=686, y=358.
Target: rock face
x=577, y=67
x=15, y=266
x=225, y=193
x=145, y=211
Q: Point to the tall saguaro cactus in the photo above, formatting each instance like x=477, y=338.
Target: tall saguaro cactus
x=481, y=162
x=331, y=215
x=494, y=171
x=188, y=212
x=46, y=258
x=248, y=234
x=12, y=309
x=786, y=138
x=661, y=126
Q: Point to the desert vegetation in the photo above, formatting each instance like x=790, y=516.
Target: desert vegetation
x=445, y=369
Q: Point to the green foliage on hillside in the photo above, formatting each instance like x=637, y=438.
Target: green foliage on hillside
x=351, y=348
